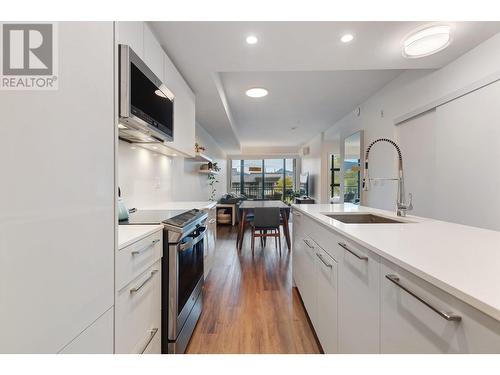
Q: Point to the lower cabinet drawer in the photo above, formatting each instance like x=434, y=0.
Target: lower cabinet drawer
x=132, y=260
x=138, y=312
x=154, y=346
x=417, y=317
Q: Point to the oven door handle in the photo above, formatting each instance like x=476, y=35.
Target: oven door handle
x=194, y=241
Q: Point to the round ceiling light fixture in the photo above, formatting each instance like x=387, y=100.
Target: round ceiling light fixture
x=256, y=92
x=426, y=41
x=252, y=39
x=346, y=38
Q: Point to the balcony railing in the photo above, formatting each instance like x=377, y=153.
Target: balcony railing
x=254, y=191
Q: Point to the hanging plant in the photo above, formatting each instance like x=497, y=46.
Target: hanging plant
x=212, y=179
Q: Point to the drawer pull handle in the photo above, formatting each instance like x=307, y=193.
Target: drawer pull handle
x=446, y=315
x=145, y=248
x=137, y=288
x=360, y=257
x=323, y=260
x=152, y=333
x=308, y=243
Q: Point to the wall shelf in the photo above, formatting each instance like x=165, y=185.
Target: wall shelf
x=201, y=158
x=208, y=171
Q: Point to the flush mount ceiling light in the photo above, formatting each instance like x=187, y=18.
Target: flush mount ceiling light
x=426, y=42
x=252, y=39
x=256, y=92
x=346, y=38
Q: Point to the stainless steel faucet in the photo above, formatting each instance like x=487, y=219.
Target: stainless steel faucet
x=402, y=205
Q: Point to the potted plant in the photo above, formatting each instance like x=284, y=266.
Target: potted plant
x=212, y=179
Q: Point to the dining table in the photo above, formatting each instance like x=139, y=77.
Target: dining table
x=249, y=205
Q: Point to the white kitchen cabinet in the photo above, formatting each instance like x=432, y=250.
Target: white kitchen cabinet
x=184, y=109
x=298, y=235
x=153, y=53
x=132, y=34
x=359, y=291
x=57, y=219
x=211, y=245
x=96, y=339
x=326, y=314
x=316, y=277
x=138, y=312
x=408, y=325
x=134, y=259
x=308, y=291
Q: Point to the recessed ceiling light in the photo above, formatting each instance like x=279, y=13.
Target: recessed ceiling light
x=346, y=38
x=257, y=92
x=426, y=42
x=252, y=39
x=120, y=126
x=154, y=148
x=174, y=154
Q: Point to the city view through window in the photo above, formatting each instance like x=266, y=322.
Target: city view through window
x=264, y=178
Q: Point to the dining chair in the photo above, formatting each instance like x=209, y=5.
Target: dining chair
x=266, y=223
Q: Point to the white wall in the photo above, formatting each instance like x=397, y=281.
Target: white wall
x=147, y=179
x=312, y=163
x=191, y=185
x=411, y=90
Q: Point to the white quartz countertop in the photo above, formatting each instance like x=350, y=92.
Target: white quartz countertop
x=180, y=205
x=461, y=260
x=128, y=234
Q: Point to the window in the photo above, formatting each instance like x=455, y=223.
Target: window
x=236, y=176
x=264, y=178
x=335, y=176
x=352, y=180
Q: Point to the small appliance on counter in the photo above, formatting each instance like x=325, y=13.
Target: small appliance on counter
x=123, y=212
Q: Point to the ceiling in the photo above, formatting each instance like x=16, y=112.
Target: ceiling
x=313, y=79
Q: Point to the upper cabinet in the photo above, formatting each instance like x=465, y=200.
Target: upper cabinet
x=153, y=53
x=140, y=37
x=184, y=109
x=132, y=34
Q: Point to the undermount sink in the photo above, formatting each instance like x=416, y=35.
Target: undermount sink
x=356, y=218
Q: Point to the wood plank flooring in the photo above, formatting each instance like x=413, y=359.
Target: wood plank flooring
x=249, y=305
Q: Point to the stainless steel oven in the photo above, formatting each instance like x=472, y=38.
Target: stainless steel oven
x=186, y=247
x=184, y=241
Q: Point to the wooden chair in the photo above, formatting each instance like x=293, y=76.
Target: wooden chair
x=266, y=223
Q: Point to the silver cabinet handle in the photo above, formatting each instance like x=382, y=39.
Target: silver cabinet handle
x=137, y=288
x=309, y=244
x=212, y=221
x=446, y=315
x=152, y=333
x=361, y=257
x=323, y=260
x=137, y=252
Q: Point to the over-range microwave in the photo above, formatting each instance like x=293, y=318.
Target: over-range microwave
x=146, y=105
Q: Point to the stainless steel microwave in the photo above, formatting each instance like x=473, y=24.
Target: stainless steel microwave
x=146, y=105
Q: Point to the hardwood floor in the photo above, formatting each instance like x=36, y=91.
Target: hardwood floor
x=249, y=304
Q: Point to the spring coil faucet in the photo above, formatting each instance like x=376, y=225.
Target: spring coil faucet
x=402, y=205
